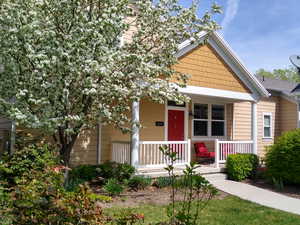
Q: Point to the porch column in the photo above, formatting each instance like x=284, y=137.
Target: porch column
x=135, y=135
x=254, y=126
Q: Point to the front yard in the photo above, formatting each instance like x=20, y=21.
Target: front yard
x=228, y=211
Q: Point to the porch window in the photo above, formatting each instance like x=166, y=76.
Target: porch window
x=267, y=125
x=218, y=120
x=209, y=120
x=200, y=121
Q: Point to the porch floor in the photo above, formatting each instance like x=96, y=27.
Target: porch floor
x=161, y=172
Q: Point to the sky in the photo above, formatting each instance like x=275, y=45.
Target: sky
x=263, y=33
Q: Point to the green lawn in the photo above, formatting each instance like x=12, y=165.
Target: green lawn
x=229, y=211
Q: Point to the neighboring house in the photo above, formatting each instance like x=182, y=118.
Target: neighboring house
x=230, y=110
x=275, y=114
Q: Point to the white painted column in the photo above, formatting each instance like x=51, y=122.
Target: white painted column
x=254, y=126
x=135, y=136
x=217, y=154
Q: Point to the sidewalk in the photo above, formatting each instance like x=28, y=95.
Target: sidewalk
x=257, y=195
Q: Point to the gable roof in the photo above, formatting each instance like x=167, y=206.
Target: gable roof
x=230, y=58
x=283, y=86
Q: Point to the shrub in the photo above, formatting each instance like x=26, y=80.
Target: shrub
x=115, y=170
x=113, y=187
x=139, y=182
x=101, y=198
x=34, y=194
x=22, y=162
x=241, y=166
x=105, y=171
x=162, y=182
x=84, y=172
x=283, y=158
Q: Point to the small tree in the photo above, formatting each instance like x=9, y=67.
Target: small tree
x=289, y=74
x=63, y=66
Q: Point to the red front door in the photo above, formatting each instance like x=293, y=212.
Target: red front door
x=175, y=125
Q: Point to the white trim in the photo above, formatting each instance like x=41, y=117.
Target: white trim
x=213, y=92
x=228, y=55
x=233, y=122
x=186, y=119
x=254, y=129
x=271, y=125
x=209, y=122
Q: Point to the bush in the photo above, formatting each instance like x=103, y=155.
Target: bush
x=102, y=172
x=84, y=172
x=113, y=187
x=115, y=170
x=139, y=182
x=22, y=162
x=241, y=166
x=162, y=182
x=283, y=158
x=32, y=192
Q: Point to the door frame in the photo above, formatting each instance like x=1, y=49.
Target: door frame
x=186, y=119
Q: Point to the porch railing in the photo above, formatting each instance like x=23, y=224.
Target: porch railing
x=151, y=156
x=121, y=152
x=225, y=148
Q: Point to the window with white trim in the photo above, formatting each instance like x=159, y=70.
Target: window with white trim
x=267, y=125
x=209, y=120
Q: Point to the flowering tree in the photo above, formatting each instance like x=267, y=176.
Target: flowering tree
x=64, y=66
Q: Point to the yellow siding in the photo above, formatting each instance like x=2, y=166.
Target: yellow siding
x=132, y=29
x=267, y=105
x=85, y=149
x=242, y=121
x=207, y=69
x=149, y=113
x=288, y=115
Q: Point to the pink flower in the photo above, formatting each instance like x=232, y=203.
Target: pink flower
x=59, y=168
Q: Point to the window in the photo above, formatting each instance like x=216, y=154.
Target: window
x=209, y=120
x=200, y=121
x=267, y=125
x=173, y=103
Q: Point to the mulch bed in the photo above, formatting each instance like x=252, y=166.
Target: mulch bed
x=288, y=190
x=150, y=196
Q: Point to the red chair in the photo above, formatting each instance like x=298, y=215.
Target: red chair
x=202, y=151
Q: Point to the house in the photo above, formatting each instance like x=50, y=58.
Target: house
x=231, y=111
x=225, y=113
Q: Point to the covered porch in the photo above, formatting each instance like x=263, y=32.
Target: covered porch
x=208, y=119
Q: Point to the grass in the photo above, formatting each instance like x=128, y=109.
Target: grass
x=228, y=211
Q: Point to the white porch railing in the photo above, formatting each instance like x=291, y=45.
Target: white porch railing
x=225, y=148
x=121, y=152
x=151, y=156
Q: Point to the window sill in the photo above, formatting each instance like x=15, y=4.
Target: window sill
x=203, y=138
x=267, y=138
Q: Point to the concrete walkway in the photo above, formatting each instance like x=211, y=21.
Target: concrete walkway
x=257, y=195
